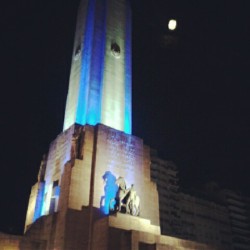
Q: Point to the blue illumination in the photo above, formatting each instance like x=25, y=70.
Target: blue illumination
x=97, y=66
x=128, y=73
x=91, y=80
x=86, y=59
x=91, y=85
x=110, y=190
x=57, y=191
x=39, y=201
x=44, y=200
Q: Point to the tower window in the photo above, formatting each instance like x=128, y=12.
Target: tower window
x=115, y=49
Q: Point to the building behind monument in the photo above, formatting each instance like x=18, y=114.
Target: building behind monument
x=213, y=215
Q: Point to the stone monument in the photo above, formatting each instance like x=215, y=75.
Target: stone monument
x=94, y=189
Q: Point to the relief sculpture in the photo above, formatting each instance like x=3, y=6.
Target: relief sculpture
x=121, y=199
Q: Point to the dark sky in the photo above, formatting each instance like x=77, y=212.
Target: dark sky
x=190, y=90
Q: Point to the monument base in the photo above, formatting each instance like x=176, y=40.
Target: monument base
x=93, y=183
x=125, y=232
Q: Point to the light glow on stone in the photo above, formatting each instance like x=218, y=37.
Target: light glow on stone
x=83, y=95
x=100, y=85
x=172, y=24
x=128, y=74
x=110, y=192
x=39, y=201
x=47, y=199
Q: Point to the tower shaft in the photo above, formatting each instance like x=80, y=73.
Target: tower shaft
x=100, y=78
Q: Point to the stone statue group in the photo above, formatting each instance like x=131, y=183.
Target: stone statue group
x=127, y=200
x=119, y=198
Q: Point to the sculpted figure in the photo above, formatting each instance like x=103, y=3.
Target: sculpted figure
x=121, y=194
x=133, y=202
x=127, y=198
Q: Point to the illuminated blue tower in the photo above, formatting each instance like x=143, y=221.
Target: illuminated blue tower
x=100, y=79
x=94, y=188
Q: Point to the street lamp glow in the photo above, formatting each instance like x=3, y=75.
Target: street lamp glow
x=172, y=24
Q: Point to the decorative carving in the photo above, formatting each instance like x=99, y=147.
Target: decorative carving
x=127, y=199
x=77, y=144
x=42, y=169
x=122, y=194
x=133, y=202
x=117, y=197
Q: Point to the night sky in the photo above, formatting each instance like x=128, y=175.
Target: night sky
x=190, y=90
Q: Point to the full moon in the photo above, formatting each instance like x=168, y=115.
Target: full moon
x=172, y=24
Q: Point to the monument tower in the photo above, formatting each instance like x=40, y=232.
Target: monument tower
x=96, y=175
x=94, y=189
x=100, y=79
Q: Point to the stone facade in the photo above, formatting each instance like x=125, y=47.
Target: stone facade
x=94, y=158
x=77, y=217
